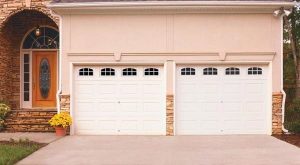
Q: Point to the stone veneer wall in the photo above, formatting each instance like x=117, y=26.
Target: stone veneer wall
x=65, y=103
x=16, y=19
x=29, y=120
x=170, y=115
x=277, y=113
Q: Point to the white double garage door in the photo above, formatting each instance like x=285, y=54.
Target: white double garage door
x=131, y=100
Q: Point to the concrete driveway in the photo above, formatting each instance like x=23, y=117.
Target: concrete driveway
x=177, y=150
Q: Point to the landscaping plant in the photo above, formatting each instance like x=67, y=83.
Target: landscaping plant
x=292, y=116
x=60, y=122
x=4, y=109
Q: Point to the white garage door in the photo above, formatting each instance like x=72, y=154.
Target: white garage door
x=221, y=100
x=125, y=100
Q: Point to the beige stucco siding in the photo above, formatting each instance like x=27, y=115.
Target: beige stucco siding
x=208, y=37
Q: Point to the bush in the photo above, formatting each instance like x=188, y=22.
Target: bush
x=62, y=119
x=292, y=116
x=1, y=124
x=4, y=109
x=293, y=126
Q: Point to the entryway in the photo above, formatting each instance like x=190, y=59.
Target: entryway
x=39, y=65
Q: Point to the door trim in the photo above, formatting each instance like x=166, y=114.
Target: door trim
x=28, y=104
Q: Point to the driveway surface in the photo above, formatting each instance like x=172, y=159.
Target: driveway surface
x=162, y=150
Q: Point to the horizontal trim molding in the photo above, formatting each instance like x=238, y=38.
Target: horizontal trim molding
x=182, y=56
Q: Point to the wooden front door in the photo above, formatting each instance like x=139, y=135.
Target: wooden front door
x=44, y=79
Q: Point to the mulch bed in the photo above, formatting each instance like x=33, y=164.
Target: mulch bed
x=290, y=138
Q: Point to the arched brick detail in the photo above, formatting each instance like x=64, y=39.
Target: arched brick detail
x=9, y=8
x=16, y=19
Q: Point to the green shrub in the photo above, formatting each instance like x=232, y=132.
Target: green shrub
x=289, y=72
x=1, y=124
x=4, y=109
x=292, y=116
x=293, y=126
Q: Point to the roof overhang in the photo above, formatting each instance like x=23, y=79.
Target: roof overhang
x=171, y=7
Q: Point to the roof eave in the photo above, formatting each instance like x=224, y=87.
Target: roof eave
x=171, y=3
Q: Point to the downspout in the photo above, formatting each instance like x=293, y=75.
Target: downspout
x=59, y=90
x=282, y=90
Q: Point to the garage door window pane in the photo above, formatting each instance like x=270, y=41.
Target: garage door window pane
x=86, y=72
x=232, y=71
x=188, y=71
x=107, y=72
x=254, y=71
x=129, y=72
x=151, y=72
x=210, y=71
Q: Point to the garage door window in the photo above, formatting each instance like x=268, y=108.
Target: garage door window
x=232, y=71
x=129, y=72
x=188, y=71
x=210, y=71
x=254, y=71
x=107, y=72
x=151, y=72
x=86, y=72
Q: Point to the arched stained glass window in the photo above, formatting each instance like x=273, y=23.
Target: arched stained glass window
x=42, y=38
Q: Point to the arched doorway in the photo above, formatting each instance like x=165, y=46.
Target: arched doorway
x=16, y=39
x=39, y=51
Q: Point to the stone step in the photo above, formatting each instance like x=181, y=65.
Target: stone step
x=29, y=120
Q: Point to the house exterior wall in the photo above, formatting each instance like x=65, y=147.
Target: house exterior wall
x=172, y=39
x=155, y=38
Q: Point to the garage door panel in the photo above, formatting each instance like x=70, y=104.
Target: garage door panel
x=107, y=106
x=210, y=107
x=126, y=88
x=128, y=106
x=120, y=105
x=254, y=107
x=129, y=125
x=232, y=107
x=254, y=87
x=106, y=89
x=152, y=125
x=152, y=107
x=221, y=104
x=188, y=106
x=108, y=125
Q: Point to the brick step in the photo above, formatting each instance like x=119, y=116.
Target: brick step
x=29, y=120
x=28, y=117
x=27, y=130
x=26, y=123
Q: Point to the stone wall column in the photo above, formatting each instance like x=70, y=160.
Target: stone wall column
x=277, y=113
x=169, y=65
x=170, y=115
x=65, y=103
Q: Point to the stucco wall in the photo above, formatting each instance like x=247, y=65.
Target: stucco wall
x=208, y=37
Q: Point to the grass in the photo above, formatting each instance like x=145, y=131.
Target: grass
x=13, y=151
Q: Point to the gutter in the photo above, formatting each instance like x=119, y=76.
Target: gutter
x=172, y=3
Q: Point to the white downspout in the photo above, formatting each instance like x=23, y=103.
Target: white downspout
x=282, y=90
x=59, y=91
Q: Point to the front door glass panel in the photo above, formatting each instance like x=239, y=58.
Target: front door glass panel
x=45, y=78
